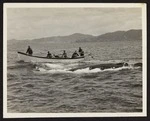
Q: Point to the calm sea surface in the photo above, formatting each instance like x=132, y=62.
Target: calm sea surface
x=52, y=88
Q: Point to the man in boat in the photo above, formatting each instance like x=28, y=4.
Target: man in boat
x=56, y=56
x=49, y=55
x=75, y=54
x=29, y=51
x=81, y=52
x=64, y=55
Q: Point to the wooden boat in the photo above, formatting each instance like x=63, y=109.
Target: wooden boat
x=33, y=58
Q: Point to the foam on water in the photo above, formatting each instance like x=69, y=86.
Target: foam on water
x=87, y=70
x=54, y=66
x=64, y=69
x=78, y=71
x=42, y=70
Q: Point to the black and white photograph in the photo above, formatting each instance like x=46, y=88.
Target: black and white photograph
x=74, y=60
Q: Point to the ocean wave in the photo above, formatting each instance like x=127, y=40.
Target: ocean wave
x=78, y=68
x=81, y=71
x=21, y=65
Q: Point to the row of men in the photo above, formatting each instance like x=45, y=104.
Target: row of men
x=64, y=55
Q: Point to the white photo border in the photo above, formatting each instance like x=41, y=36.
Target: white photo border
x=76, y=5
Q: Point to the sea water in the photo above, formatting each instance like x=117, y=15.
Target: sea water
x=54, y=88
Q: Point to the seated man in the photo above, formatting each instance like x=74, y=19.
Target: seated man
x=64, y=55
x=56, y=56
x=81, y=52
x=75, y=54
x=49, y=55
x=29, y=51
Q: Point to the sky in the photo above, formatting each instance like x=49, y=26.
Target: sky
x=32, y=23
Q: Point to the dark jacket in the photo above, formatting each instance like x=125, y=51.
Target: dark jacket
x=29, y=51
x=74, y=55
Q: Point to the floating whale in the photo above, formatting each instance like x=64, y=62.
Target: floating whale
x=138, y=65
x=102, y=66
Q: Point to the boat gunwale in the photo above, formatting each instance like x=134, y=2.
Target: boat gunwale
x=49, y=58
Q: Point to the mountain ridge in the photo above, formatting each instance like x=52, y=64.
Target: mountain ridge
x=130, y=35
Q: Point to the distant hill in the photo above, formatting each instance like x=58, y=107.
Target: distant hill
x=130, y=35
x=122, y=35
x=70, y=38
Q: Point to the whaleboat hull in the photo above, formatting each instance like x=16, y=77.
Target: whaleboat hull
x=31, y=58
